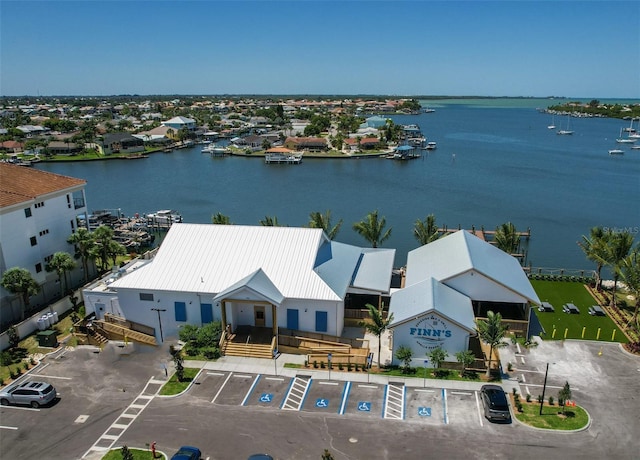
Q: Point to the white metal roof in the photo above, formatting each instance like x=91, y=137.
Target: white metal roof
x=207, y=258
x=462, y=252
x=427, y=296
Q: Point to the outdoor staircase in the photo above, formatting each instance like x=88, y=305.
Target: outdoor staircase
x=247, y=350
x=125, y=333
x=97, y=337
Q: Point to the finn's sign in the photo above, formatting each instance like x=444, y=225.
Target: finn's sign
x=430, y=332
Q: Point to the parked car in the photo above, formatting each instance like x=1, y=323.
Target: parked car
x=546, y=306
x=495, y=404
x=187, y=453
x=34, y=394
x=596, y=310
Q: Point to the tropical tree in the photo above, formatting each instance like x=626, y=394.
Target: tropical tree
x=404, y=354
x=323, y=221
x=618, y=248
x=466, y=358
x=18, y=280
x=492, y=331
x=629, y=272
x=61, y=263
x=269, y=221
x=220, y=219
x=83, y=241
x=564, y=395
x=115, y=249
x=377, y=324
x=426, y=230
x=595, y=248
x=102, y=235
x=437, y=356
x=371, y=228
x=506, y=238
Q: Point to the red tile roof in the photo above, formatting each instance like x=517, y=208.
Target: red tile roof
x=19, y=184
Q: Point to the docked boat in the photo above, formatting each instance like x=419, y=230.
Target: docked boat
x=565, y=132
x=431, y=146
x=278, y=157
x=626, y=140
x=216, y=150
x=616, y=152
x=405, y=152
x=164, y=217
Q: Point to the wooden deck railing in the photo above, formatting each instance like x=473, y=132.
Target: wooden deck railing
x=126, y=333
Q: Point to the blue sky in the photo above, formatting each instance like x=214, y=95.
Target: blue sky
x=506, y=48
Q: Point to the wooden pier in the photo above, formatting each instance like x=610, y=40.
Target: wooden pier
x=484, y=235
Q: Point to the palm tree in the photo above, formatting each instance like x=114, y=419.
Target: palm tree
x=83, y=241
x=492, y=331
x=618, y=248
x=426, y=231
x=103, y=235
x=61, y=263
x=18, y=280
x=595, y=248
x=269, y=221
x=323, y=221
x=629, y=272
x=506, y=238
x=221, y=219
x=371, y=229
x=377, y=324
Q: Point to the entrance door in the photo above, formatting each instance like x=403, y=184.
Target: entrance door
x=258, y=315
x=292, y=319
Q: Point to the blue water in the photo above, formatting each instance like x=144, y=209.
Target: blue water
x=494, y=163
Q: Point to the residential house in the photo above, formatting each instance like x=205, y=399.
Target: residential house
x=178, y=123
x=121, y=143
x=315, y=144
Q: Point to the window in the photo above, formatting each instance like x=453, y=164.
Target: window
x=321, y=321
x=69, y=201
x=44, y=232
x=48, y=258
x=181, y=311
x=39, y=205
x=38, y=268
x=73, y=229
x=27, y=212
x=146, y=297
x=33, y=241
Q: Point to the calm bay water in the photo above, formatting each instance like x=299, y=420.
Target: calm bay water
x=496, y=162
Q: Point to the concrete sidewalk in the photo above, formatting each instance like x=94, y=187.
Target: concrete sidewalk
x=268, y=367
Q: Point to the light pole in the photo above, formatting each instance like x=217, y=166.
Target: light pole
x=160, y=321
x=544, y=387
x=426, y=361
x=275, y=361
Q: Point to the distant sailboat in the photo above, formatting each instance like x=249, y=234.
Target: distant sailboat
x=625, y=140
x=553, y=123
x=567, y=131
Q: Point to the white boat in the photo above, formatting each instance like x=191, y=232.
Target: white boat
x=553, y=123
x=164, y=217
x=616, y=152
x=635, y=147
x=214, y=149
x=566, y=132
x=277, y=157
x=428, y=110
x=431, y=145
x=625, y=140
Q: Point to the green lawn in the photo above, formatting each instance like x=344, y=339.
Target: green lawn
x=558, y=293
x=173, y=387
x=138, y=454
x=574, y=418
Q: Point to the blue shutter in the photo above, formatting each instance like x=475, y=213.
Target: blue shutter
x=321, y=321
x=292, y=318
x=181, y=311
x=206, y=313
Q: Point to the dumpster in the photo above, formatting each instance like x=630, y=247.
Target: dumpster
x=47, y=338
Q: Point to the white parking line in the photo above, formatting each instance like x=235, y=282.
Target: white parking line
x=527, y=388
x=479, y=411
x=460, y=393
x=20, y=408
x=367, y=386
x=328, y=383
x=523, y=379
x=243, y=376
x=215, y=373
x=4, y=427
x=518, y=347
x=522, y=359
x=220, y=390
x=279, y=379
x=425, y=391
x=54, y=377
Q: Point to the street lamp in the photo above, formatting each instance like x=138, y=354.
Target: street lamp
x=544, y=387
x=426, y=361
x=160, y=321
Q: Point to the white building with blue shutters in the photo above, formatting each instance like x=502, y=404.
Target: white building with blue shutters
x=271, y=277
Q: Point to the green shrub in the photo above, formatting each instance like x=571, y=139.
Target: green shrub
x=211, y=352
x=551, y=400
x=540, y=399
x=519, y=406
x=25, y=365
x=315, y=364
x=349, y=366
x=191, y=350
x=528, y=397
x=340, y=366
x=6, y=358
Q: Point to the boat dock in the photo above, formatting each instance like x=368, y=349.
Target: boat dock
x=279, y=158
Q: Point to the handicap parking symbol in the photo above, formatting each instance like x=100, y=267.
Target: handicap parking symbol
x=424, y=411
x=266, y=397
x=322, y=403
x=364, y=406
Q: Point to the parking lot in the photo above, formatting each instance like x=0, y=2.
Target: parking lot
x=362, y=400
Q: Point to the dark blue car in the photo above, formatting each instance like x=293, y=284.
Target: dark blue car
x=187, y=453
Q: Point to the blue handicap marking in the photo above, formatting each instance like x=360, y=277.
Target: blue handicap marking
x=364, y=406
x=266, y=397
x=424, y=411
x=321, y=402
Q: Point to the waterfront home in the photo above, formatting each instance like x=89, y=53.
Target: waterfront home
x=11, y=146
x=121, y=143
x=38, y=212
x=374, y=122
x=63, y=148
x=449, y=284
x=317, y=144
x=244, y=276
x=365, y=143
x=177, y=123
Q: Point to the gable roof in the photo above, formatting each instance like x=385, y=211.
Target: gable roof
x=180, y=120
x=210, y=258
x=462, y=252
x=257, y=282
x=19, y=184
x=429, y=296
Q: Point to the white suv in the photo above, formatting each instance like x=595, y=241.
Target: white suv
x=35, y=394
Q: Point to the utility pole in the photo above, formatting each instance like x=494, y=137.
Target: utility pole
x=160, y=321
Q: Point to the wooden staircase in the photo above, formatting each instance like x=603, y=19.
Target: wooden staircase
x=96, y=337
x=248, y=350
x=121, y=332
